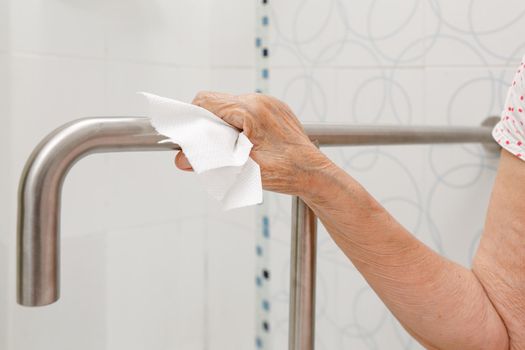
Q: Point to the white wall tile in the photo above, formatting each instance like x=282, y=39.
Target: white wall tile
x=447, y=50
x=419, y=70
x=4, y=25
x=456, y=189
x=73, y=28
x=317, y=32
x=7, y=203
x=233, y=80
x=46, y=93
x=175, y=32
x=380, y=96
x=156, y=295
x=311, y=30
x=463, y=96
x=485, y=31
x=78, y=319
x=232, y=32
x=457, y=194
x=86, y=197
x=231, y=287
x=179, y=272
x=311, y=94
x=4, y=303
x=392, y=30
x=124, y=80
x=109, y=51
x=147, y=187
x=5, y=147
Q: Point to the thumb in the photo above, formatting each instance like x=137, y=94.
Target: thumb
x=182, y=162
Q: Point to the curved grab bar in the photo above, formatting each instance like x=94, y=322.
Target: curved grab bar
x=42, y=178
x=40, y=193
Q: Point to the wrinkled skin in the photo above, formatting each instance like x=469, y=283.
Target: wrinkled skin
x=280, y=146
x=440, y=303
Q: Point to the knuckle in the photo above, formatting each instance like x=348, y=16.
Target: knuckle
x=261, y=98
x=256, y=102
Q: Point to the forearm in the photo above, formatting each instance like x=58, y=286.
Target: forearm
x=439, y=302
x=500, y=261
x=442, y=304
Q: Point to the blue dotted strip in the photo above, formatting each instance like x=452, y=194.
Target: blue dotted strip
x=261, y=45
x=262, y=281
x=262, y=248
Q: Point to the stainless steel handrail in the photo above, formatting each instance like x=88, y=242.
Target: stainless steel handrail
x=303, y=258
x=42, y=178
x=40, y=189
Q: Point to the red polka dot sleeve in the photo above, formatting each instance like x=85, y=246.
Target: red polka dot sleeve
x=510, y=130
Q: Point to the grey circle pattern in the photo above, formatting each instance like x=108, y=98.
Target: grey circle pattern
x=411, y=62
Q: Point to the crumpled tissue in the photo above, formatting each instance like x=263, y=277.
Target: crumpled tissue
x=218, y=152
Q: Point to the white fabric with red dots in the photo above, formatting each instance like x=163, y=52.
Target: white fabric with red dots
x=510, y=130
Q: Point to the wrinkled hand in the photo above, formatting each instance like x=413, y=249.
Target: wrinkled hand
x=283, y=151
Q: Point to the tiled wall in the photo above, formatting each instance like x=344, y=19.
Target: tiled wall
x=6, y=209
x=410, y=62
x=148, y=260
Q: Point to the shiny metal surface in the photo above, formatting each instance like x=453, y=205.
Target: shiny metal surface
x=40, y=187
x=491, y=147
x=347, y=135
x=301, y=333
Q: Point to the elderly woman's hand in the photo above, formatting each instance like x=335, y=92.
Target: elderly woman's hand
x=442, y=304
x=280, y=146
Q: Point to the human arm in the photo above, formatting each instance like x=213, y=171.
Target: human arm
x=500, y=261
x=440, y=303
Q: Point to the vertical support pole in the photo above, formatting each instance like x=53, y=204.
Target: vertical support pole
x=302, y=277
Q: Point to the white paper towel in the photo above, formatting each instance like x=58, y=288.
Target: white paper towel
x=218, y=153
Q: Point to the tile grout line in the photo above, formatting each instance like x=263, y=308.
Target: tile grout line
x=263, y=273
